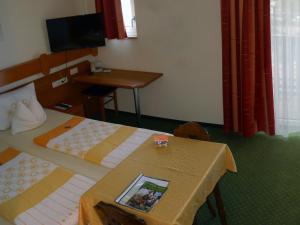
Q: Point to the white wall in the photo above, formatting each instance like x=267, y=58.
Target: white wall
x=181, y=39
x=24, y=29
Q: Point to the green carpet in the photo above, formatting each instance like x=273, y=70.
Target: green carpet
x=266, y=189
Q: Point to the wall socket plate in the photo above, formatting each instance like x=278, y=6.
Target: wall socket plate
x=73, y=71
x=59, y=82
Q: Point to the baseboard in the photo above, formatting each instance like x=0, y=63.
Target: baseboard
x=173, y=120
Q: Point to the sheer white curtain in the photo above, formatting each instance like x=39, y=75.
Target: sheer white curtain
x=285, y=23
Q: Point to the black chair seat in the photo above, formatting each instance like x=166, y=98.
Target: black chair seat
x=96, y=97
x=98, y=91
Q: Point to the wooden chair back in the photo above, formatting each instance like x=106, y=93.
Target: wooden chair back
x=192, y=130
x=112, y=215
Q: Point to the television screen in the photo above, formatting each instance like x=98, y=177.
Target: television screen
x=86, y=31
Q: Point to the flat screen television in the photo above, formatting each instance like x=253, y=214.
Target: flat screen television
x=85, y=31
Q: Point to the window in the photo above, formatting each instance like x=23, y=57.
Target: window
x=285, y=21
x=129, y=17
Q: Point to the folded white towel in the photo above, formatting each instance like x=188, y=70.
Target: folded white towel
x=27, y=116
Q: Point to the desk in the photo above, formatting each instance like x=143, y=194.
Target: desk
x=122, y=79
x=192, y=167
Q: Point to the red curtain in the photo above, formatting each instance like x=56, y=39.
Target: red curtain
x=113, y=18
x=247, y=67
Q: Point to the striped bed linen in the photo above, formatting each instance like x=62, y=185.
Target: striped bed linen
x=60, y=207
x=98, y=142
x=123, y=150
x=34, y=191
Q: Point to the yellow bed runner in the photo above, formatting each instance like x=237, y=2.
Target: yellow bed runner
x=45, y=138
x=8, y=155
x=95, y=141
x=26, y=181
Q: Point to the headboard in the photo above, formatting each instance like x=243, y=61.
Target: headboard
x=19, y=72
x=45, y=65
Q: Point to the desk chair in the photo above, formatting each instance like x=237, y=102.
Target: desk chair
x=96, y=95
x=112, y=215
x=195, y=131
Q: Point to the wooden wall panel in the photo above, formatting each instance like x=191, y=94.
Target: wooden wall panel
x=57, y=59
x=19, y=72
x=49, y=96
x=42, y=64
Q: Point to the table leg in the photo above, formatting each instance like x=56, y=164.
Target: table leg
x=220, y=204
x=210, y=207
x=136, y=96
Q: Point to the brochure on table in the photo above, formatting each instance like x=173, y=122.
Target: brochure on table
x=143, y=193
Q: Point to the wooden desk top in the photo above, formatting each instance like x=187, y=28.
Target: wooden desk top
x=120, y=78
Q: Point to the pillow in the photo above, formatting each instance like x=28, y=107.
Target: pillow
x=10, y=98
x=27, y=116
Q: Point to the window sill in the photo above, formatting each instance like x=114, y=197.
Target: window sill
x=132, y=37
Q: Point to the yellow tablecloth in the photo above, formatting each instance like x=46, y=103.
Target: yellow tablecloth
x=192, y=167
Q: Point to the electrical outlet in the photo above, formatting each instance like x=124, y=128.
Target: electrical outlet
x=74, y=71
x=59, y=82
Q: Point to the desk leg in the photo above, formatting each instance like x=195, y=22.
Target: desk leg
x=220, y=204
x=136, y=96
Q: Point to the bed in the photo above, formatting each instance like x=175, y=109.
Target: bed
x=24, y=143
x=98, y=142
x=36, y=191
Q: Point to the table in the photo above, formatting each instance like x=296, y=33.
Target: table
x=122, y=79
x=192, y=167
